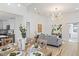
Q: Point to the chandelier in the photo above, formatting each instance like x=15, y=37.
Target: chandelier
x=57, y=14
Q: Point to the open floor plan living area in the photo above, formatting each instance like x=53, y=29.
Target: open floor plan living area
x=39, y=29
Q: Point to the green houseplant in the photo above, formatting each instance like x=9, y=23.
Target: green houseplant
x=57, y=29
x=23, y=31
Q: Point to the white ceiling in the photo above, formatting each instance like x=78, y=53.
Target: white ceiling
x=47, y=8
x=43, y=9
x=26, y=4
x=6, y=16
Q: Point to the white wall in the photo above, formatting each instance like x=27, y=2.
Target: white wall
x=36, y=19
x=1, y=24
x=10, y=22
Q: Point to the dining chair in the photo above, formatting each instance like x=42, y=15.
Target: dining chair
x=8, y=40
x=42, y=43
x=29, y=41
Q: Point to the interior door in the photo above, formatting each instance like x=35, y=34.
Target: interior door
x=73, y=32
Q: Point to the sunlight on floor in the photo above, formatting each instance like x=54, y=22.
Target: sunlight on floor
x=70, y=49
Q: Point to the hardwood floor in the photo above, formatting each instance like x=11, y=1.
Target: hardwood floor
x=67, y=49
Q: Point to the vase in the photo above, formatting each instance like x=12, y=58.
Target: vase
x=22, y=44
x=23, y=35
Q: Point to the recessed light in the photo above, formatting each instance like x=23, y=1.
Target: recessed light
x=35, y=8
x=8, y=3
x=77, y=8
x=19, y=5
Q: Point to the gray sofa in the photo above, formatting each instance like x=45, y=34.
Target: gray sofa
x=51, y=40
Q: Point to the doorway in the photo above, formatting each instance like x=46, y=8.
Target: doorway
x=73, y=32
x=28, y=29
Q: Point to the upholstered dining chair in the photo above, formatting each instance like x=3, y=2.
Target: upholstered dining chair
x=7, y=40
x=30, y=41
x=42, y=43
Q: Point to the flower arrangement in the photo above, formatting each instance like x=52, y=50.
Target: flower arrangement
x=23, y=31
x=57, y=29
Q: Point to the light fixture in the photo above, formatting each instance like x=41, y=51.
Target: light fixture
x=36, y=11
x=35, y=8
x=57, y=14
x=77, y=8
x=8, y=3
x=19, y=5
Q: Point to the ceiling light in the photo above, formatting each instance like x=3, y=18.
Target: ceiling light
x=8, y=3
x=35, y=8
x=19, y=5
x=77, y=8
x=57, y=14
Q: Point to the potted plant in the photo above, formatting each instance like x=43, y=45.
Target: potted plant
x=23, y=31
x=23, y=40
